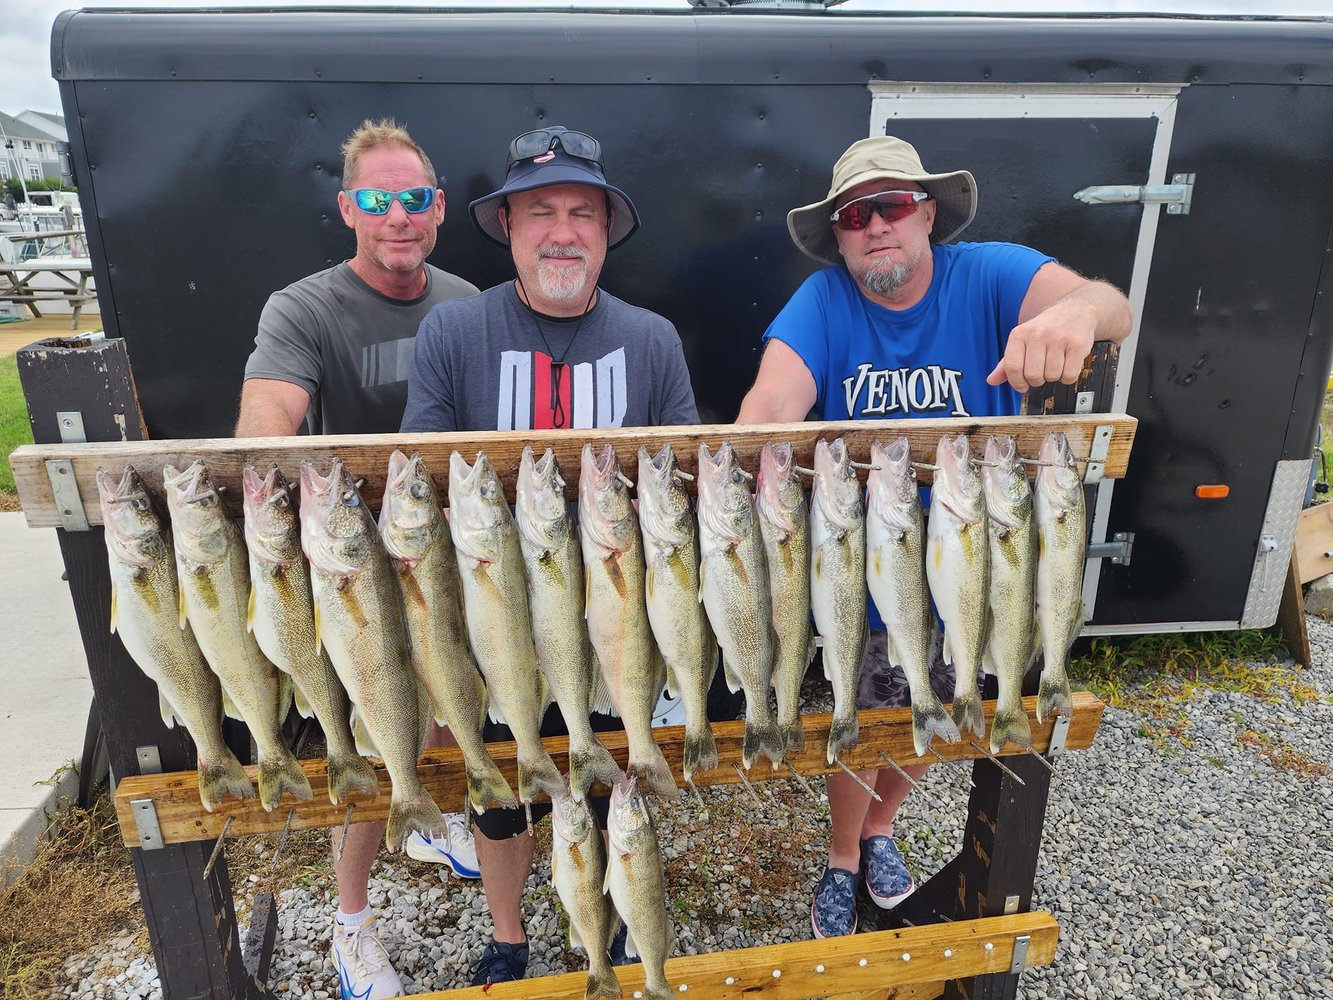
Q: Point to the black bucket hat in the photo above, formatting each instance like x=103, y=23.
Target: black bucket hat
x=549, y=156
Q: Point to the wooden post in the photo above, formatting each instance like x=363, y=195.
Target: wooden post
x=78, y=389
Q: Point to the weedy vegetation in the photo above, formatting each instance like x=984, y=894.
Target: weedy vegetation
x=14, y=427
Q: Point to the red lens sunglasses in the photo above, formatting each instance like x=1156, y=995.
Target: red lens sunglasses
x=892, y=206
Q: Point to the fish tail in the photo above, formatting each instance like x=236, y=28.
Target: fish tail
x=1053, y=695
x=602, y=983
x=843, y=734
x=416, y=811
x=793, y=736
x=761, y=735
x=700, y=750
x=929, y=719
x=487, y=786
x=281, y=773
x=589, y=764
x=655, y=773
x=224, y=777
x=968, y=713
x=538, y=773
x=658, y=991
x=1010, y=726
x=350, y=773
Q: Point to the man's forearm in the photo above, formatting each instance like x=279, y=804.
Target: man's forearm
x=261, y=417
x=1112, y=317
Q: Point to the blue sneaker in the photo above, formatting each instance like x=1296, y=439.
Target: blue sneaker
x=833, y=913
x=457, y=849
x=617, y=950
x=887, y=876
x=500, y=963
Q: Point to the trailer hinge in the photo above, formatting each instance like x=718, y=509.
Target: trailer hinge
x=145, y=820
x=1176, y=196
x=1020, y=957
x=65, y=491
x=1118, y=550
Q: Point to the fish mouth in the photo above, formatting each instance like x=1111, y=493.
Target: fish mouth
x=315, y=485
x=466, y=476
x=192, y=485
x=598, y=467
x=831, y=458
x=404, y=471
x=119, y=490
x=776, y=460
x=1001, y=449
x=1055, y=449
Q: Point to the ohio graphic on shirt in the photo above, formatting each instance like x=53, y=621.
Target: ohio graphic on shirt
x=537, y=394
x=885, y=391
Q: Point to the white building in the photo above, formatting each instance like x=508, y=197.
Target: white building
x=33, y=151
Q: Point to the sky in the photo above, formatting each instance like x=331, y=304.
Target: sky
x=25, y=28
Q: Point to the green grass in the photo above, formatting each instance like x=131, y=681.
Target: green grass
x=14, y=427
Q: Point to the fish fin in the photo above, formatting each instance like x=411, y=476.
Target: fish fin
x=702, y=564
x=967, y=711
x=654, y=772
x=600, y=699
x=229, y=708
x=946, y=648
x=365, y=743
x=302, y=702
x=1053, y=695
x=587, y=594
x=180, y=607
x=729, y=675
x=602, y=985
x=843, y=734
x=648, y=579
x=700, y=750
x=319, y=642
x=282, y=773
x=588, y=764
x=929, y=719
x=418, y=813
x=483, y=699
x=631, y=946
x=113, y=609
x=348, y=773
x=169, y=716
x=218, y=779
x=1010, y=725
x=250, y=613
x=761, y=735
x=286, y=693
x=538, y=773
x=487, y=786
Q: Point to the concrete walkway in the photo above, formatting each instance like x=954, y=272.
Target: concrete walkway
x=44, y=689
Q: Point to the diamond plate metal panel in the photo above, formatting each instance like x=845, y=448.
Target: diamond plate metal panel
x=1276, y=538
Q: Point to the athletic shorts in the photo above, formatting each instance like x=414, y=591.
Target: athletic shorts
x=884, y=685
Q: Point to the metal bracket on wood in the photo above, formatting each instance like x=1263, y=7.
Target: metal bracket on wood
x=1059, y=733
x=1118, y=550
x=65, y=491
x=1020, y=958
x=150, y=761
x=1084, y=401
x=145, y=820
x=1101, y=447
x=70, y=425
x=1010, y=904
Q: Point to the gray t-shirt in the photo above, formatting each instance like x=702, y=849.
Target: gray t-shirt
x=347, y=345
x=482, y=364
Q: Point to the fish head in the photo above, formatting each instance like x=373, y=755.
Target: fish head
x=605, y=513
x=479, y=514
x=779, y=497
x=664, y=505
x=837, y=490
x=337, y=533
x=1008, y=495
x=957, y=483
x=891, y=488
x=571, y=822
x=135, y=533
x=541, y=507
x=725, y=503
x=272, y=525
x=199, y=521
x=1057, y=477
x=410, y=514
x=628, y=820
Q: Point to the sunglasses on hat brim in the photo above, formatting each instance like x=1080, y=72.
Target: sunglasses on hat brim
x=539, y=142
x=374, y=201
x=891, y=206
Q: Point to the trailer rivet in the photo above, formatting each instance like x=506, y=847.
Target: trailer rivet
x=863, y=963
x=638, y=995
x=948, y=953
x=731, y=980
x=989, y=946
x=907, y=957
x=819, y=968
x=777, y=973
x=684, y=987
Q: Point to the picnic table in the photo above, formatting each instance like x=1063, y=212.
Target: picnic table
x=72, y=275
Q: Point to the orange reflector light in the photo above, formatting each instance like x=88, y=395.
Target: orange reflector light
x=1212, y=491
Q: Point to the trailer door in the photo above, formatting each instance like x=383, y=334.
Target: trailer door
x=1032, y=147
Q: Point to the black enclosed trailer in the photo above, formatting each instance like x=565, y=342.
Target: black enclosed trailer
x=1188, y=160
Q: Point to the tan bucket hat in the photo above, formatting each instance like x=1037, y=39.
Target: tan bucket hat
x=883, y=158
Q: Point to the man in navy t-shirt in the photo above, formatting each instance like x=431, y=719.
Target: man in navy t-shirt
x=907, y=324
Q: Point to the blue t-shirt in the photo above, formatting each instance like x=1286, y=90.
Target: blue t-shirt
x=930, y=360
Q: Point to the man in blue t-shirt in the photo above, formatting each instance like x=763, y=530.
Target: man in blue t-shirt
x=903, y=325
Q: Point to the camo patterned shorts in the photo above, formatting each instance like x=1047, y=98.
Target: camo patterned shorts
x=883, y=685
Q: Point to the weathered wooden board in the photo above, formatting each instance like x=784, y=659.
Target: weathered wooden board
x=367, y=455
x=175, y=796
x=1314, y=542
x=861, y=965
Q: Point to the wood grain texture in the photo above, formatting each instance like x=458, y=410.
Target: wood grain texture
x=182, y=819
x=367, y=455
x=1314, y=542
x=884, y=964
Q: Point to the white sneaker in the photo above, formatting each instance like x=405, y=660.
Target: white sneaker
x=364, y=970
x=458, y=850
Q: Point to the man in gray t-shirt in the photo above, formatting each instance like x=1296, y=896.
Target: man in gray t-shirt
x=547, y=350
x=332, y=356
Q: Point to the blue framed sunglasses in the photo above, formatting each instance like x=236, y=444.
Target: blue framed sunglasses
x=373, y=201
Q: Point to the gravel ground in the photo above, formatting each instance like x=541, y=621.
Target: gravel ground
x=1203, y=870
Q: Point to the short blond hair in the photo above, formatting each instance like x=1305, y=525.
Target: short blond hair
x=379, y=135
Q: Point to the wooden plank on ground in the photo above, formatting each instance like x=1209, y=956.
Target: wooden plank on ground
x=860, y=965
x=1291, y=616
x=175, y=796
x=367, y=455
x=1314, y=542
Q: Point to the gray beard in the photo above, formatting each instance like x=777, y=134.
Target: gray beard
x=886, y=280
x=557, y=285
